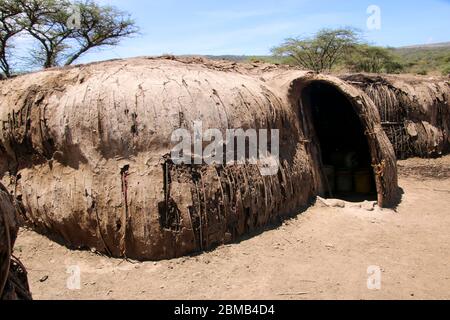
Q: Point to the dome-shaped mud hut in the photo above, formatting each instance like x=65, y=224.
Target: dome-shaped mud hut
x=414, y=110
x=87, y=150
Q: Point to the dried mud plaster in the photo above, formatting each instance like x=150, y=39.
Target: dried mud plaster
x=86, y=150
x=415, y=111
x=13, y=276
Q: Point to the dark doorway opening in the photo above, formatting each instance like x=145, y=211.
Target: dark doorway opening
x=345, y=153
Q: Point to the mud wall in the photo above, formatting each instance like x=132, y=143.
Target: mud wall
x=415, y=111
x=13, y=277
x=86, y=151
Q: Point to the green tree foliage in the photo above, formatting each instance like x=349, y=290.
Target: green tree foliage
x=426, y=59
x=446, y=70
x=321, y=52
x=366, y=58
x=64, y=30
x=100, y=26
x=46, y=21
x=338, y=49
x=10, y=26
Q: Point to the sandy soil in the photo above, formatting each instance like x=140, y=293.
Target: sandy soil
x=324, y=253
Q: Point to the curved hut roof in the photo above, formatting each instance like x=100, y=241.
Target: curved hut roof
x=415, y=111
x=86, y=150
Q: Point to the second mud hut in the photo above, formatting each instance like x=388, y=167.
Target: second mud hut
x=414, y=110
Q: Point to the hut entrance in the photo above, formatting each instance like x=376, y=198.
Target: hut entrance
x=345, y=153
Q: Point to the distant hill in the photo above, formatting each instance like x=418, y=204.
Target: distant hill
x=432, y=59
x=425, y=59
x=229, y=57
x=427, y=46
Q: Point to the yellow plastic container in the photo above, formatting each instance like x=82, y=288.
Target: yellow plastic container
x=363, y=181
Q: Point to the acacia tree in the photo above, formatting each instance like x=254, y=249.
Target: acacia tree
x=61, y=40
x=10, y=26
x=64, y=30
x=99, y=26
x=46, y=21
x=366, y=58
x=322, y=51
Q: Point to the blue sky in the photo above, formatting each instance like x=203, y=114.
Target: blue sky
x=252, y=27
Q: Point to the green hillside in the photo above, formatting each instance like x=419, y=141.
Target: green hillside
x=433, y=59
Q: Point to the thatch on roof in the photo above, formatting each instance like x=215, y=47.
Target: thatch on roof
x=414, y=110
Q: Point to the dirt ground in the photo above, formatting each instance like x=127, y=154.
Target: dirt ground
x=324, y=253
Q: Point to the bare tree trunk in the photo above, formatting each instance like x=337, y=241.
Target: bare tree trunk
x=75, y=56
